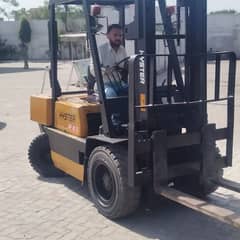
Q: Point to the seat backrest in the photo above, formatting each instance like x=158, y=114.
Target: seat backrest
x=91, y=80
x=81, y=70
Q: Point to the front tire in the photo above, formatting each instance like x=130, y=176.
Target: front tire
x=192, y=185
x=40, y=157
x=107, y=182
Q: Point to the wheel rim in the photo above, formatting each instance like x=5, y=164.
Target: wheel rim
x=104, y=186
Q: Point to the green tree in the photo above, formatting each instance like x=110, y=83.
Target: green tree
x=19, y=14
x=25, y=33
x=64, y=14
x=5, y=4
x=39, y=13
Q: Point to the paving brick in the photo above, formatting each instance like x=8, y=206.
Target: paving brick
x=51, y=209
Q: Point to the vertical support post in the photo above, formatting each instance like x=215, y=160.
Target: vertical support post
x=196, y=49
x=131, y=123
x=56, y=90
x=122, y=20
x=217, y=77
x=187, y=57
x=231, y=107
x=146, y=45
x=97, y=69
x=152, y=78
x=169, y=79
x=168, y=28
x=178, y=21
x=187, y=80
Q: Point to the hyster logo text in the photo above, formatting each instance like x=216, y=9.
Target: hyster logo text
x=67, y=117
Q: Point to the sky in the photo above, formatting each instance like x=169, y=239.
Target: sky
x=213, y=5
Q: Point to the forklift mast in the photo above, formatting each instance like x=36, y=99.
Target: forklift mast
x=194, y=86
x=156, y=127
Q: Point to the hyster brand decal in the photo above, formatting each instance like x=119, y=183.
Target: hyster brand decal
x=67, y=117
x=142, y=68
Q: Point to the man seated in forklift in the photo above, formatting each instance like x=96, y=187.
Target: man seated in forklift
x=112, y=58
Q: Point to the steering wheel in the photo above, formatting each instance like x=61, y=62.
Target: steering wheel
x=122, y=61
x=123, y=71
x=117, y=75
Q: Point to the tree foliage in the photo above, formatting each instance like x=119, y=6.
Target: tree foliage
x=7, y=51
x=33, y=13
x=41, y=13
x=5, y=4
x=25, y=31
x=65, y=14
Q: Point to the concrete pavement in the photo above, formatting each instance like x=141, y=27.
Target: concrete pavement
x=35, y=208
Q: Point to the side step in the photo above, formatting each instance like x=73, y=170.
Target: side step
x=222, y=214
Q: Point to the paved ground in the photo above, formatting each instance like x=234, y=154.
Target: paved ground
x=36, y=208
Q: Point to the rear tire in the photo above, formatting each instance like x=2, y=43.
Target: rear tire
x=107, y=182
x=40, y=157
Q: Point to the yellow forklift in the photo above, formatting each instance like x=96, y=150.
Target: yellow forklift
x=156, y=137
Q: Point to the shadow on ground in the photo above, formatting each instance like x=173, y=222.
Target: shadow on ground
x=2, y=125
x=168, y=220
x=6, y=70
x=165, y=220
x=70, y=183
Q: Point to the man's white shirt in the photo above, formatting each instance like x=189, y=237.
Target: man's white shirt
x=109, y=57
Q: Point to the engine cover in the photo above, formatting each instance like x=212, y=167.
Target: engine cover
x=71, y=115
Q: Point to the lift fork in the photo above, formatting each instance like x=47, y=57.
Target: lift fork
x=222, y=214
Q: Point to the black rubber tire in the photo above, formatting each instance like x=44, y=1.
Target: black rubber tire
x=125, y=200
x=191, y=184
x=40, y=157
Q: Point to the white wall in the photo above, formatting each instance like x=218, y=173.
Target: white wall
x=224, y=32
x=39, y=43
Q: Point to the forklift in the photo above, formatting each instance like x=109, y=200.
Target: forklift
x=158, y=136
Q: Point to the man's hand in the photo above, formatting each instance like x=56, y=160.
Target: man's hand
x=106, y=70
